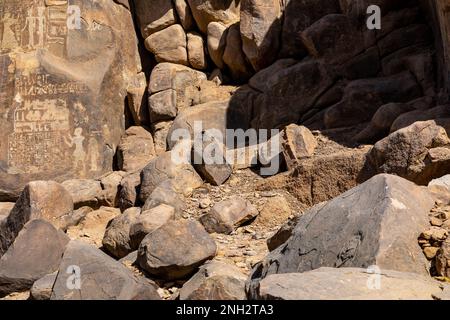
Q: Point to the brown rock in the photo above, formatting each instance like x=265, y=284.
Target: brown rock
x=46, y=200
x=430, y=252
x=215, y=281
x=216, y=40
x=227, y=215
x=136, y=149
x=196, y=51
x=206, y=11
x=168, y=45
x=148, y=221
x=234, y=57
x=176, y=249
x=298, y=143
x=137, y=100
x=274, y=212
x=185, y=14
x=154, y=15
x=128, y=191
x=84, y=192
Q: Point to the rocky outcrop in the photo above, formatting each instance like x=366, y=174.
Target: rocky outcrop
x=376, y=223
x=63, y=89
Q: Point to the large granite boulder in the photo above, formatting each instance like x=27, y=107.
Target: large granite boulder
x=350, y=284
x=46, y=200
x=64, y=77
x=36, y=251
x=86, y=273
x=376, y=223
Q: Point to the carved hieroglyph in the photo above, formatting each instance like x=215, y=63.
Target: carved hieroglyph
x=65, y=66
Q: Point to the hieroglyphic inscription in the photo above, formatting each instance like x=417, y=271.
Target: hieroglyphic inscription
x=31, y=25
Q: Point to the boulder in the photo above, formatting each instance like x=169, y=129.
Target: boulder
x=137, y=100
x=148, y=221
x=154, y=15
x=297, y=143
x=5, y=208
x=261, y=22
x=206, y=11
x=36, y=251
x=84, y=192
x=217, y=40
x=415, y=34
x=362, y=98
x=42, y=288
x=163, y=105
x=64, y=90
x=227, y=215
x=376, y=223
x=421, y=114
x=185, y=14
x=99, y=277
x=110, y=185
x=210, y=160
x=183, y=176
x=274, y=212
x=166, y=193
x=168, y=45
x=234, y=57
x=418, y=153
x=196, y=51
x=299, y=15
x=129, y=190
x=136, y=149
x=117, y=235
x=176, y=249
x=215, y=281
x=46, y=200
x=350, y=284
x=342, y=42
x=160, y=131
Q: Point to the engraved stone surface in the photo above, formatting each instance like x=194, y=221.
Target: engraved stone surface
x=64, y=70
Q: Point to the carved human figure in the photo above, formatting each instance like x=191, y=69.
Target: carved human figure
x=79, y=155
x=31, y=22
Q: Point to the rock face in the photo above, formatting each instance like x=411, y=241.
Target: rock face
x=175, y=250
x=227, y=215
x=376, y=223
x=418, y=153
x=36, y=251
x=350, y=284
x=63, y=89
x=99, y=277
x=215, y=281
x=45, y=200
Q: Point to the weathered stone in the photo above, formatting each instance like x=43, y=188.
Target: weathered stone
x=154, y=15
x=148, y=221
x=298, y=143
x=412, y=35
x=176, y=249
x=117, y=235
x=168, y=45
x=206, y=11
x=63, y=90
x=234, y=57
x=84, y=192
x=442, y=258
x=42, y=288
x=216, y=41
x=215, y=281
x=110, y=185
x=227, y=215
x=184, y=177
x=362, y=98
x=92, y=227
x=166, y=193
x=409, y=118
x=261, y=30
x=137, y=100
x=5, y=208
x=275, y=211
x=136, y=149
x=129, y=189
x=196, y=51
x=45, y=200
x=173, y=76
x=299, y=15
x=291, y=86
x=75, y=217
x=376, y=223
x=163, y=105
x=418, y=153
x=102, y=278
x=210, y=161
x=342, y=42
x=185, y=14
x=160, y=131
x=350, y=284
x=36, y=251
x=284, y=233
x=326, y=176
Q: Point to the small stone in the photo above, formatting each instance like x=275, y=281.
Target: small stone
x=430, y=252
x=435, y=233
x=204, y=203
x=434, y=221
